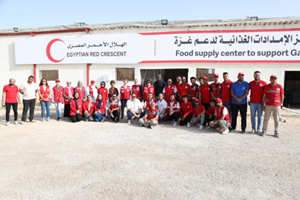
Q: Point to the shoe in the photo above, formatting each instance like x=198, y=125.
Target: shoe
x=129, y=121
x=207, y=127
x=200, y=127
x=102, y=119
x=59, y=119
x=86, y=120
x=220, y=130
x=32, y=121
x=43, y=119
x=225, y=131
x=7, y=124
x=258, y=131
x=133, y=117
x=263, y=134
x=141, y=125
x=253, y=131
x=48, y=119
x=172, y=122
x=151, y=126
x=232, y=130
x=188, y=125
x=22, y=123
x=243, y=131
x=16, y=123
x=277, y=135
x=175, y=123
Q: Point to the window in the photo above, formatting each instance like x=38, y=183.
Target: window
x=125, y=73
x=209, y=73
x=50, y=75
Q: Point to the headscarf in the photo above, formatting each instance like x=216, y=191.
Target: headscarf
x=69, y=89
x=100, y=102
x=75, y=99
x=80, y=87
x=90, y=102
x=101, y=84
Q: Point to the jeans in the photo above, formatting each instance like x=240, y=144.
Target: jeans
x=58, y=108
x=130, y=115
x=30, y=103
x=235, y=108
x=15, y=108
x=256, y=107
x=98, y=117
x=47, y=105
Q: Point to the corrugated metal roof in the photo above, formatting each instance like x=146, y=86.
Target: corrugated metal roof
x=157, y=24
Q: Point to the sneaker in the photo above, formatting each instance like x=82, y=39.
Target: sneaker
x=48, y=119
x=172, y=122
x=102, y=119
x=208, y=127
x=59, y=119
x=7, y=124
x=200, y=127
x=133, y=117
x=253, y=131
x=263, y=134
x=43, y=119
x=277, y=135
x=225, y=131
x=188, y=125
x=232, y=130
x=141, y=125
x=16, y=123
x=32, y=121
x=258, y=132
x=243, y=131
x=86, y=120
x=22, y=123
x=129, y=121
x=220, y=130
x=175, y=123
x=151, y=126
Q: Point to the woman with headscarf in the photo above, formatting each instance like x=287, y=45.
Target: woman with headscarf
x=104, y=91
x=80, y=89
x=99, y=109
x=68, y=96
x=88, y=108
x=76, y=108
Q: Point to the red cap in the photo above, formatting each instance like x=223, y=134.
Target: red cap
x=57, y=80
x=197, y=101
x=205, y=78
x=92, y=81
x=241, y=74
x=216, y=75
x=273, y=77
x=218, y=100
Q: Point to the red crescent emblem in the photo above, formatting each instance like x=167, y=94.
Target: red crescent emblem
x=48, y=50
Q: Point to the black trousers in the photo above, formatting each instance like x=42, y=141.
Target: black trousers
x=207, y=119
x=31, y=105
x=243, y=111
x=116, y=115
x=76, y=118
x=123, y=105
x=15, y=108
x=67, y=110
x=186, y=120
x=206, y=105
x=174, y=116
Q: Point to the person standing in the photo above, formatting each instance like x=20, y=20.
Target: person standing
x=45, y=98
x=226, y=92
x=216, y=88
x=81, y=91
x=134, y=108
x=28, y=90
x=88, y=108
x=186, y=112
x=272, y=102
x=222, y=118
x=204, y=93
x=11, y=98
x=68, y=96
x=114, y=107
x=257, y=91
x=159, y=86
x=183, y=89
x=162, y=106
x=173, y=111
x=125, y=95
x=239, y=92
x=92, y=90
x=58, y=98
x=112, y=90
x=100, y=109
x=137, y=90
x=178, y=82
x=200, y=81
x=198, y=114
x=148, y=89
x=151, y=117
x=169, y=89
x=194, y=90
x=76, y=106
x=104, y=91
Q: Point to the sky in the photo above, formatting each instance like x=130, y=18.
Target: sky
x=41, y=13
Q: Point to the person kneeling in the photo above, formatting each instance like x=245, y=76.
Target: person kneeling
x=134, y=107
x=99, y=109
x=76, y=108
x=88, y=108
x=198, y=114
x=151, y=117
x=186, y=112
x=114, y=107
x=172, y=111
x=222, y=118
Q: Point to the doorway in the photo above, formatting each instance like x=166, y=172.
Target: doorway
x=165, y=73
x=292, y=89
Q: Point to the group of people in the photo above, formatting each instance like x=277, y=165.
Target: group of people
x=213, y=105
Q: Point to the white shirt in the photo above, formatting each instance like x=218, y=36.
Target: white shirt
x=161, y=105
x=134, y=106
x=175, y=89
x=225, y=111
x=29, y=90
x=172, y=105
x=95, y=91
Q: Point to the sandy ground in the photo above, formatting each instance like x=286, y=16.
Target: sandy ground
x=61, y=160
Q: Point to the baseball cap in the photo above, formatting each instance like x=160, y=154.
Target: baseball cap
x=219, y=100
x=197, y=101
x=273, y=77
x=92, y=81
x=241, y=74
x=57, y=80
x=205, y=78
x=216, y=75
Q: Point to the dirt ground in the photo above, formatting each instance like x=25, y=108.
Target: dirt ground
x=88, y=160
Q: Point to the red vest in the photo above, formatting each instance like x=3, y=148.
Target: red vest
x=67, y=94
x=102, y=107
x=147, y=90
x=152, y=114
x=273, y=95
x=137, y=91
x=91, y=91
x=86, y=106
x=148, y=104
x=125, y=92
x=174, y=106
x=216, y=90
x=58, y=94
x=113, y=105
x=220, y=113
x=73, y=107
x=81, y=92
x=194, y=91
x=45, y=93
x=169, y=91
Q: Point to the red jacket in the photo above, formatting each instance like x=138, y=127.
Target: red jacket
x=81, y=92
x=104, y=92
x=102, y=108
x=86, y=106
x=186, y=109
x=58, y=94
x=183, y=89
x=194, y=91
x=210, y=111
x=67, y=94
x=73, y=107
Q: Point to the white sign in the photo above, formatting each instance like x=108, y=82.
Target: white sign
x=165, y=47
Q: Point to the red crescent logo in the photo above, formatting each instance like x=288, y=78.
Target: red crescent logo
x=48, y=50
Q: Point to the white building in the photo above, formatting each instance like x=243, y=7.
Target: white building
x=151, y=48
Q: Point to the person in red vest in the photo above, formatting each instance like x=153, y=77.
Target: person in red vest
x=226, y=92
x=198, y=114
x=68, y=96
x=194, y=90
x=125, y=92
x=216, y=88
x=112, y=90
x=76, y=106
x=137, y=90
x=104, y=91
x=45, y=94
x=209, y=114
x=186, y=111
x=272, y=103
x=58, y=98
x=173, y=111
x=169, y=89
x=88, y=108
x=151, y=116
x=81, y=91
x=183, y=89
x=92, y=90
x=147, y=89
x=178, y=79
x=114, y=107
x=147, y=104
x=204, y=93
x=100, y=109
x=222, y=119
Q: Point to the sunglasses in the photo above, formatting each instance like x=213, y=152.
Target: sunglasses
x=114, y=96
x=133, y=96
x=43, y=81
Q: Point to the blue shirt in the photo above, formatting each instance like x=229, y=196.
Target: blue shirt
x=239, y=90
